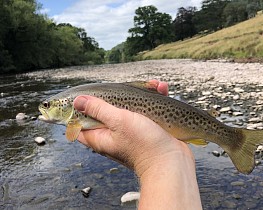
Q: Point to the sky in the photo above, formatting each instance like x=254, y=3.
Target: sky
x=108, y=21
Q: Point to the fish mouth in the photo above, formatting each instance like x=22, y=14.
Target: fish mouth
x=44, y=117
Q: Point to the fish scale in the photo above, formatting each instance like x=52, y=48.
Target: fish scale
x=181, y=120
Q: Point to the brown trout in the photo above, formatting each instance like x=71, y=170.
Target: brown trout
x=181, y=120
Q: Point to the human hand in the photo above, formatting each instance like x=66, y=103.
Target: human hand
x=165, y=166
x=129, y=138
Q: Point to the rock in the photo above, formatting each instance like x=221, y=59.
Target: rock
x=216, y=153
x=254, y=126
x=260, y=148
x=86, y=191
x=236, y=97
x=237, y=183
x=257, y=162
x=206, y=93
x=237, y=114
x=40, y=140
x=238, y=90
x=216, y=106
x=33, y=118
x=21, y=116
x=2, y=94
x=254, y=120
x=130, y=197
x=114, y=170
x=78, y=165
x=225, y=109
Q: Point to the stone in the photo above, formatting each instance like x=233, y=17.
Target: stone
x=114, y=170
x=86, y=191
x=130, y=197
x=79, y=165
x=216, y=153
x=21, y=116
x=236, y=97
x=237, y=183
x=206, y=93
x=2, y=94
x=254, y=126
x=237, y=114
x=225, y=109
x=257, y=162
x=40, y=140
x=260, y=148
x=254, y=120
x=238, y=90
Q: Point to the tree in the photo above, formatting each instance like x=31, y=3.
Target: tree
x=234, y=12
x=210, y=16
x=183, y=24
x=151, y=28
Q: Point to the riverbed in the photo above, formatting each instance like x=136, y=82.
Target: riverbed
x=51, y=176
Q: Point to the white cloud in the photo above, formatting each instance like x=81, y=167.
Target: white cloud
x=108, y=21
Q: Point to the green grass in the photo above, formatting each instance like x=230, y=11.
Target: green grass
x=242, y=41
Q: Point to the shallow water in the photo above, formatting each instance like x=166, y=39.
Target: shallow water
x=50, y=176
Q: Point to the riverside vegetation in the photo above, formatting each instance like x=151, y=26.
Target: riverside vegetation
x=30, y=40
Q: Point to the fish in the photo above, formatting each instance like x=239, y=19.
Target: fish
x=181, y=120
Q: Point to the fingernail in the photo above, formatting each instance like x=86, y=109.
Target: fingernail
x=80, y=103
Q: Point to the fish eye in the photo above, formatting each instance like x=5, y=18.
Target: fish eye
x=46, y=104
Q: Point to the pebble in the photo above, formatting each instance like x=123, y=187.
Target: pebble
x=225, y=109
x=260, y=148
x=254, y=126
x=254, y=120
x=40, y=140
x=206, y=93
x=130, y=197
x=237, y=114
x=78, y=165
x=21, y=116
x=257, y=162
x=86, y=191
x=114, y=170
x=237, y=183
x=216, y=153
x=2, y=94
x=238, y=90
x=236, y=97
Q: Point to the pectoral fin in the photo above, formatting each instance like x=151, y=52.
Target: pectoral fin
x=199, y=142
x=73, y=130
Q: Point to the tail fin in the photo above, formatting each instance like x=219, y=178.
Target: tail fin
x=244, y=156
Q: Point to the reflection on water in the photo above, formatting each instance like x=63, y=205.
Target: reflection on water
x=50, y=176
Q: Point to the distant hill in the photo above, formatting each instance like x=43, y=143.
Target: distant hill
x=241, y=42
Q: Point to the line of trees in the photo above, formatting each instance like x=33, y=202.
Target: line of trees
x=30, y=40
x=152, y=28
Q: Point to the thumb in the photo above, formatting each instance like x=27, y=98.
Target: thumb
x=99, y=110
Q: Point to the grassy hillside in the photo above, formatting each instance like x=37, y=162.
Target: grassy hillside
x=240, y=42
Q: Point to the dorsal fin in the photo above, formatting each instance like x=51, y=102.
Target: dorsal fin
x=144, y=85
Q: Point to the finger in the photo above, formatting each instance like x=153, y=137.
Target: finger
x=163, y=88
x=99, y=110
x=98, y=139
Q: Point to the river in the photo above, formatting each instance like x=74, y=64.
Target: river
x=51, y=176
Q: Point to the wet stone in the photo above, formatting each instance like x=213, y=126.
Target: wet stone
x=130, y=197
x=86, y=191
x=40, y=140
x=225, y=109
x=237, y=114
x=237, y=183
x=114, y=170
x=216, y=153
x=21, y=116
